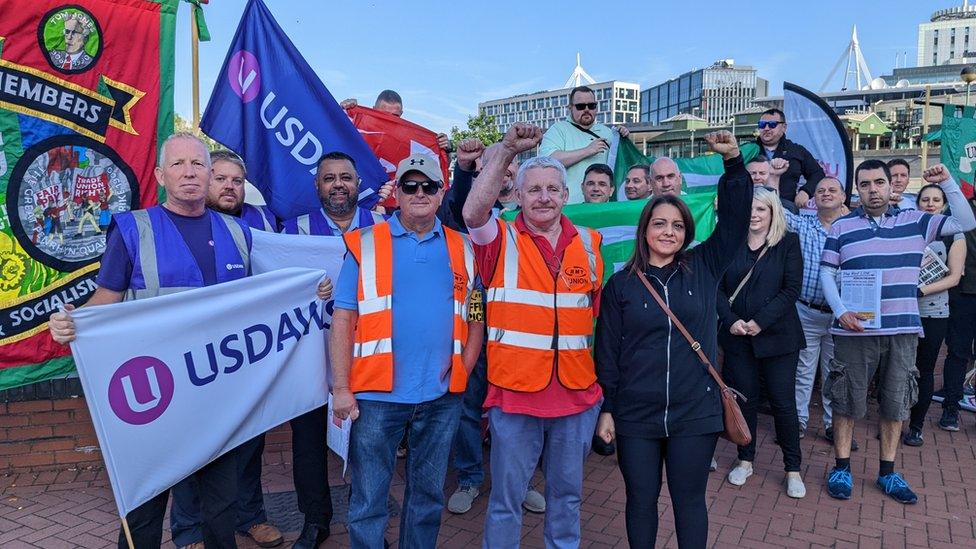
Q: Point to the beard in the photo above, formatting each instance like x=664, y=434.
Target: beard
x=334, y=204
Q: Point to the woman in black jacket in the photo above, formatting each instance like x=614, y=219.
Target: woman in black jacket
x=760, y=332
x=659, y=401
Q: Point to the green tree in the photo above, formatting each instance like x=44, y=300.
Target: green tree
x=481, y=127
x=181, y=124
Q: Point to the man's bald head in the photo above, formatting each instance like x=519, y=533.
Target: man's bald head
x=665, y=177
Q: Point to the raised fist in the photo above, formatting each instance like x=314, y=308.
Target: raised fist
x=723, y=143
x=522, y=137
x=468, y=151
x=936, y=174
x=778, y=166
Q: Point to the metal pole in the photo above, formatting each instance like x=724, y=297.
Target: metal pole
x=195, y=55
x=925, y=127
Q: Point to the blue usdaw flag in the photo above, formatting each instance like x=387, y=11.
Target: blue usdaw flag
x=271, y=108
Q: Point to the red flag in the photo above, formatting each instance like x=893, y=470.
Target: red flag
x=393, y=139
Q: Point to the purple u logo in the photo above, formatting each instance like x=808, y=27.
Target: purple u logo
x=141, y=390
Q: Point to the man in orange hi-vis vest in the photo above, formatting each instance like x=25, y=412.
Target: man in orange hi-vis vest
x=542, y=279
x=401, y=352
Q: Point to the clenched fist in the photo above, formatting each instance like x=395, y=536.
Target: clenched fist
x=778, y=166
x=723, y=143
x=468, y=151
x=522, y=137
x=936, y=174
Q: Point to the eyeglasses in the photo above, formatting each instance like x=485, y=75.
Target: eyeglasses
x=411, y=187
x=771, y=124
x=585, y=106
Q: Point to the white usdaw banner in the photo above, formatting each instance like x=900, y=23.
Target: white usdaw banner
x=176, y=381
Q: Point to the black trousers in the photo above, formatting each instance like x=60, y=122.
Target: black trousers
x=960, y=339
x=218, y=496
x=925, y=357
x=775, y=378
x=310, y=468
x=687, y=459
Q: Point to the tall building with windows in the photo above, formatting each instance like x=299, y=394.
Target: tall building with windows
x=949, y=37
x=617, y=103
x=714, y=93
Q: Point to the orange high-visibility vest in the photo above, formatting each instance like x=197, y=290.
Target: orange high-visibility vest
x=372, y=356
x=537, y=325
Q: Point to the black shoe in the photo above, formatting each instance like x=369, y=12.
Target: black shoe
x=829, y=435
x=949, y=420
x=913, y=437
x=312, y=536
x=603, y=448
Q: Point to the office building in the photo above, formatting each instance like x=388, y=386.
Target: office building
x=714, y=93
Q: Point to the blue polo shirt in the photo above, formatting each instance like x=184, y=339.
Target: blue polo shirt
x=423, y=313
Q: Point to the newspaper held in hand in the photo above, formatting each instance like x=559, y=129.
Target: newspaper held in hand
x=860, y=292
x=338, y=436
x=933, y=268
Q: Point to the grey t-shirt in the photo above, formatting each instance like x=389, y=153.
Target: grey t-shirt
x=937, y=305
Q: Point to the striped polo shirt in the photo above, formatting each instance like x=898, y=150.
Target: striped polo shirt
x=894, y=244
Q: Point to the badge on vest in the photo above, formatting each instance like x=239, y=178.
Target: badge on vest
x=232, y=266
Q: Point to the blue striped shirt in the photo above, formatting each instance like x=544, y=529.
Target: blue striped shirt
x=813, y=236
x=892, y=244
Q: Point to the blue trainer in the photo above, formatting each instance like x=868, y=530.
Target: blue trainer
x=840, y=483
x=897, y=488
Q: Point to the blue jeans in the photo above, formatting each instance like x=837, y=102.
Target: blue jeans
x=185, y=519
x=516, y=442
x=372, y=461
x=468, y=448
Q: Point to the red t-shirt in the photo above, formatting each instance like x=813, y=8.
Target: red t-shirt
x=555, y=400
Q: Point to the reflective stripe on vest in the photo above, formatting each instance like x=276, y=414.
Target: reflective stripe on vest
x=303, y=224
x=372, y=360
x=149, y=262
x=526, y=344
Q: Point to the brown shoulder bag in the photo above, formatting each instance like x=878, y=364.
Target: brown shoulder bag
x=736, y=429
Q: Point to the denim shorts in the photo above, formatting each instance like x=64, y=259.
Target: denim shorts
x=857, y=359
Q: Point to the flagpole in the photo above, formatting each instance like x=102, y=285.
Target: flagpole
x=925, y=127
x=128, y=533
x=195, y=55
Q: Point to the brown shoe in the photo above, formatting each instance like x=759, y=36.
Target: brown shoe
x=265, y=535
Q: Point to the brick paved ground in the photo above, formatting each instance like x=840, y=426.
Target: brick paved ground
x=74, y=508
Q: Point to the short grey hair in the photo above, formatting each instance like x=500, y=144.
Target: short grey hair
x=538, y=163
x=181, y=135
x=226, y=155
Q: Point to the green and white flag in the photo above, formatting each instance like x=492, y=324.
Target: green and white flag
x=959, y=143
x=699, y=174
x=617, y=222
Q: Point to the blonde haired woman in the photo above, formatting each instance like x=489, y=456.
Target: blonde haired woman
x=760, y=332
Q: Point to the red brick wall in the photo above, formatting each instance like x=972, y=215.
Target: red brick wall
x=39, y=435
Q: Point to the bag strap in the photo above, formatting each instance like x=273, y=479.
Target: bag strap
x=748, y=275
x=587, y=130
x=691, y=341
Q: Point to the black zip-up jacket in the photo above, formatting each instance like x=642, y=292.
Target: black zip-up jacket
x=802, y=163
x=653, y=382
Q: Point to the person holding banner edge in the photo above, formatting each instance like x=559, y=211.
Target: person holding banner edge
x=184, y=170
x=401, y=350
x=226, y=195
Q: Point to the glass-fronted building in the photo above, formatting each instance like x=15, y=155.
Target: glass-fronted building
x=714, y=93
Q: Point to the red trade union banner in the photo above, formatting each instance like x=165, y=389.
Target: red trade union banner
x=392, y=139
x=86, y=95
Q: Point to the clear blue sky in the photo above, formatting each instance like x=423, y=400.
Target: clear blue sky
x=445, y=57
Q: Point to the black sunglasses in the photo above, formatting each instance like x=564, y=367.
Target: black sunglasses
x=410, y=187
x=585, y=106
x=771, y=124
